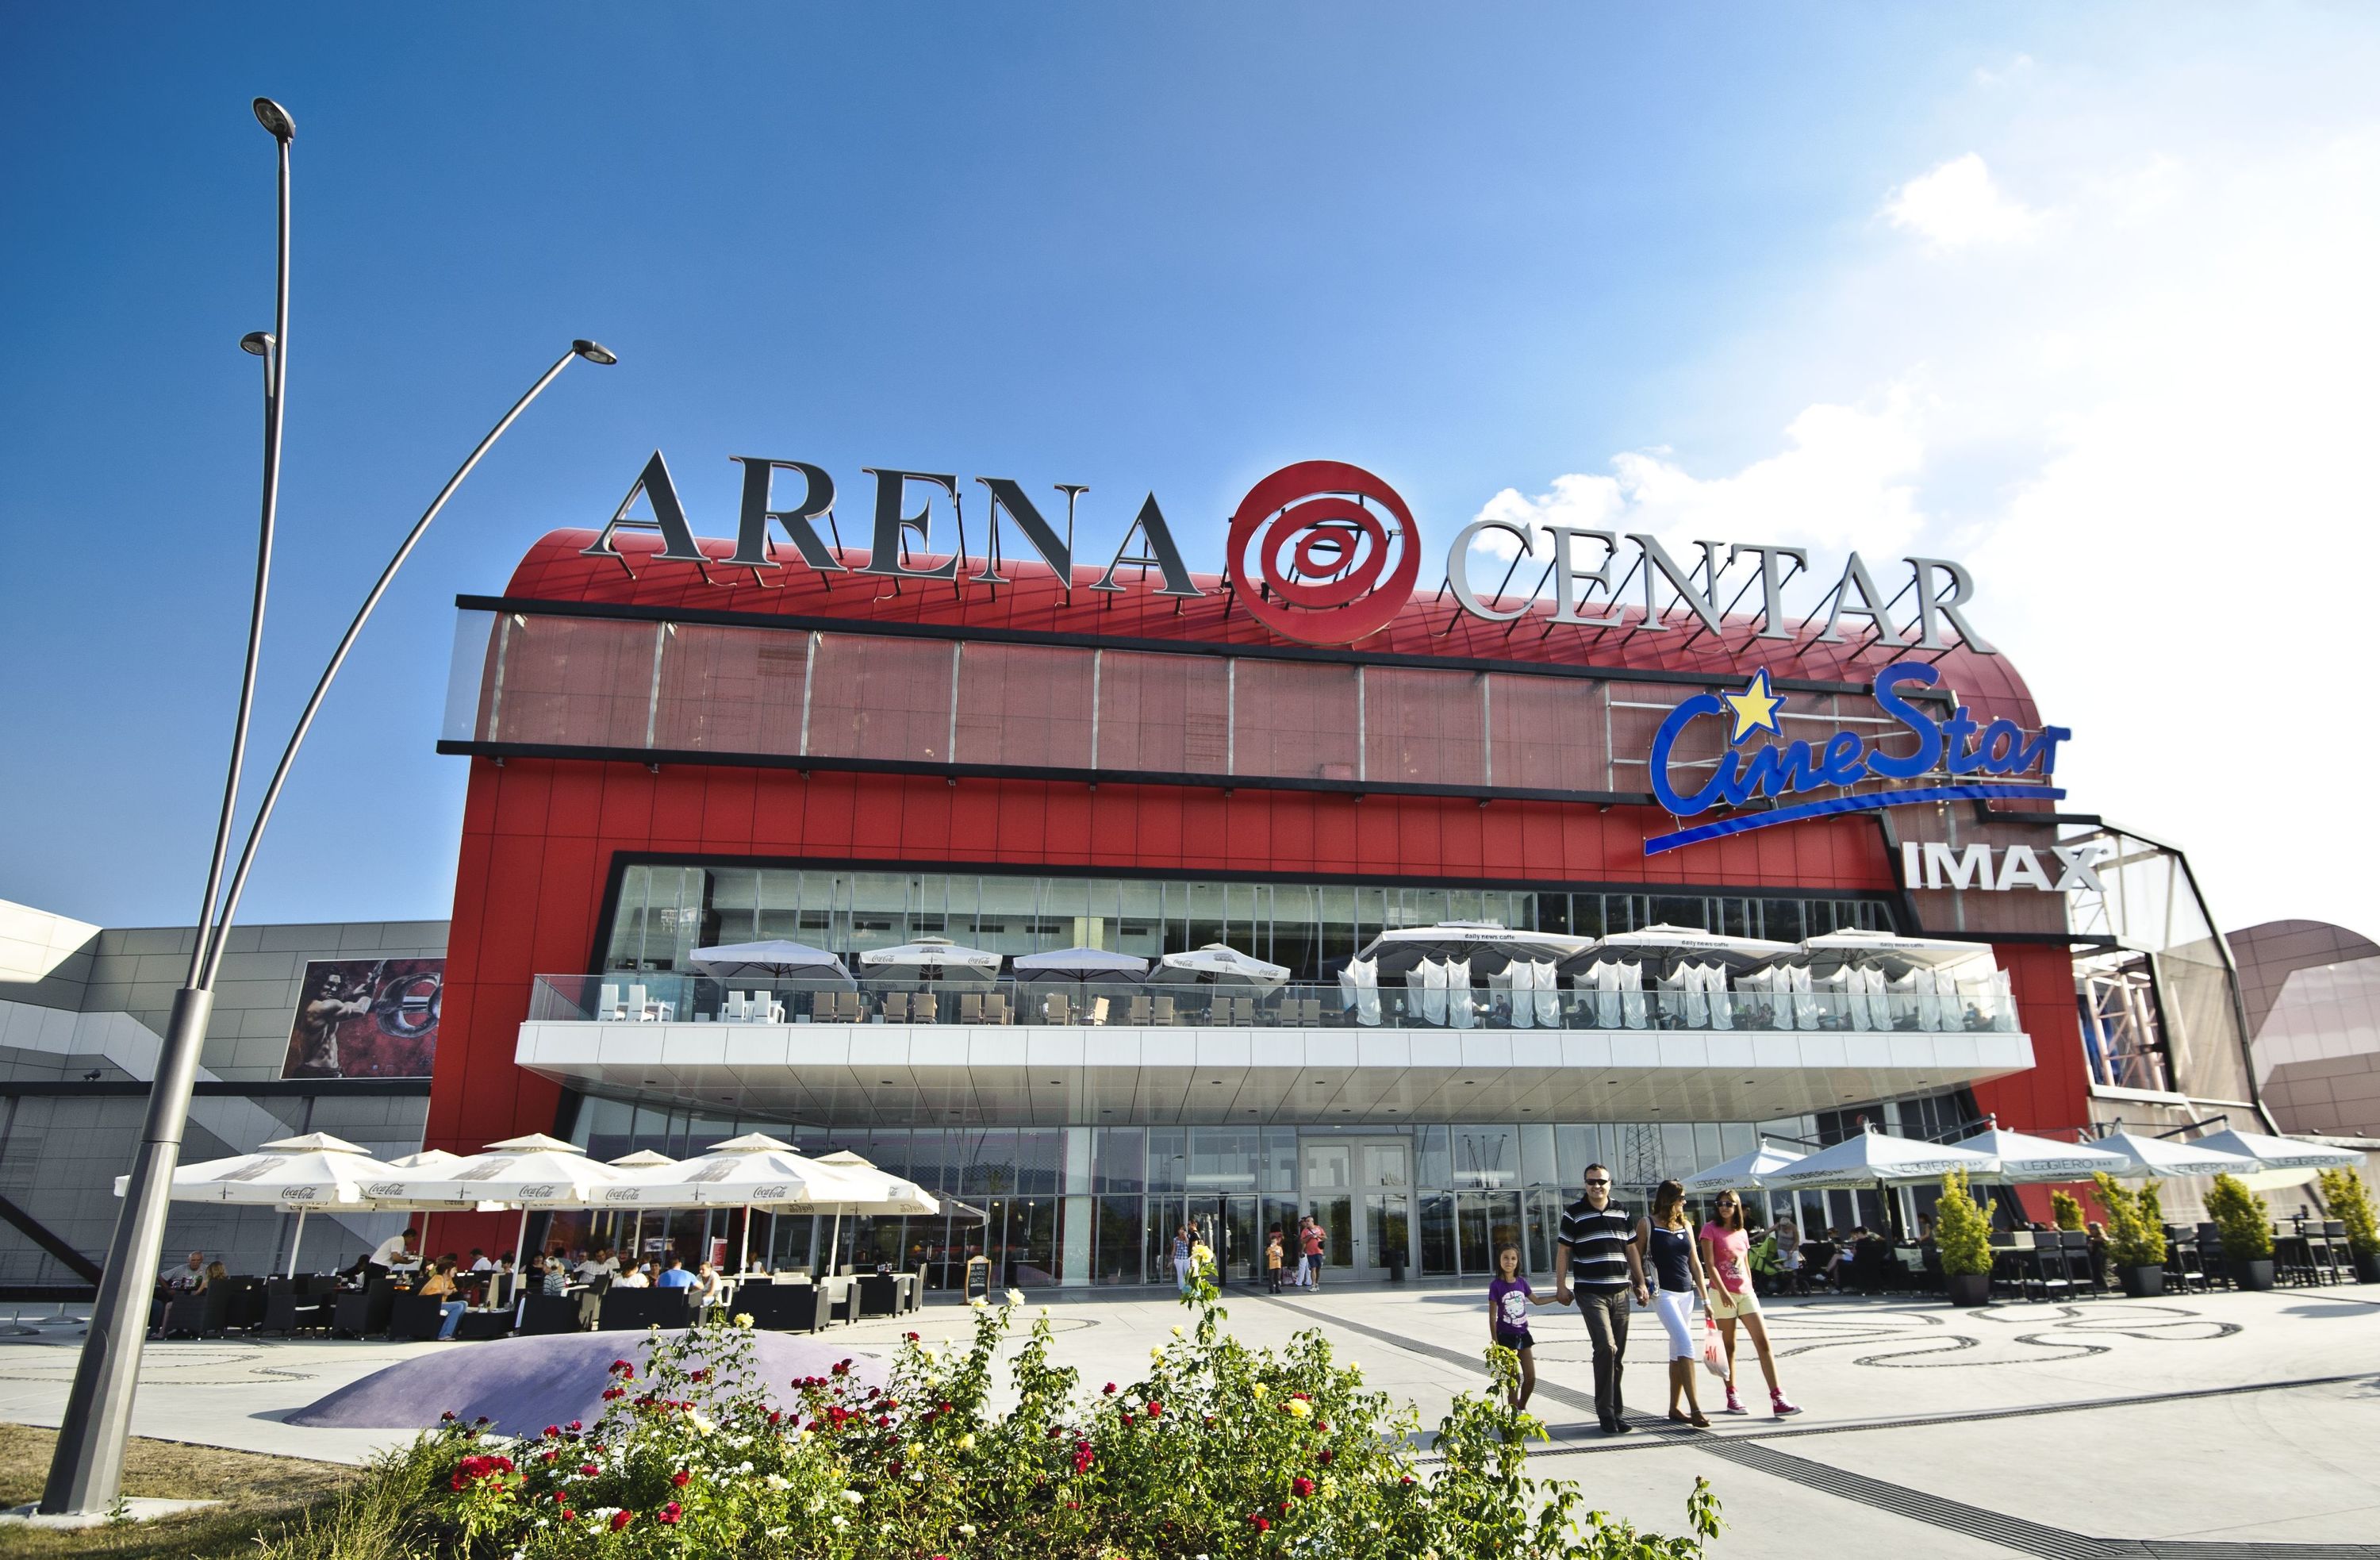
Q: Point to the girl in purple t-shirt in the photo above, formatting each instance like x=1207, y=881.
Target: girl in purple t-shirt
x=1509, y=1298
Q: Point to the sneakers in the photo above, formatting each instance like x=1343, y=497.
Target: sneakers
x=1735, y=1404
x=1777, y=1402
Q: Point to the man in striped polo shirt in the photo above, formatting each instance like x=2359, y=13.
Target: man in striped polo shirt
x=1599, y=1259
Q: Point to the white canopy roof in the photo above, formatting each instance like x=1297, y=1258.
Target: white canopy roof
x=1488, y=947
x=864, y=1188
x=1220, y=961
x=643, y=1159
x=1869, y=1157
x=1894, y=953
x=2023, y=1157
x=1744, y=1170
x=776, y=958
x=534, y=1171
x=2162, y=1156
x=314, y=1171
x=1662, y=942
x=752, y=1169
x=2280, y=1154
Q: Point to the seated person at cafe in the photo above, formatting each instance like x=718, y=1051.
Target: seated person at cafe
x=479, y=1262
x=189, y=1275
x=675, y=1276
x=556, y=1279
x=440, y=1286
x=215, y=1270
x=633, y=1279
x=707, y=1285
x=394, y=1253
x=601, y=1265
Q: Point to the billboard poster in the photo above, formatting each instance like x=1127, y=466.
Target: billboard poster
x=366, y=1017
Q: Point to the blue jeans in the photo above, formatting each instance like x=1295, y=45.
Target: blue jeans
x=450, y=1313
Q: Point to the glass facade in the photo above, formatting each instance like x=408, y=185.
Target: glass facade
x=1099, y=1204
x=665, y=912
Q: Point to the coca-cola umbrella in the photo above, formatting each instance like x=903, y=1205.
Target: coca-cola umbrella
x=930, y=958
x=296, y=1174
x=775, y=959
x=1078, y=964
x=1221, y=964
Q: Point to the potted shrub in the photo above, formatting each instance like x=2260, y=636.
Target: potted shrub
x=1963, y=1235
x=2350, y=1201
x=2135, y=1234
x=2247, y=1236
x=2065, y=1211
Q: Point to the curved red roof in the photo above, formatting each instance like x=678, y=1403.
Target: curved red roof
x=556, y=569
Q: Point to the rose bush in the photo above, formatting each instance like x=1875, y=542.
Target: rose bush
x=1215, y=1450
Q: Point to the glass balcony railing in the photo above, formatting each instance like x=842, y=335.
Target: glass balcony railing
x=1979, y=1006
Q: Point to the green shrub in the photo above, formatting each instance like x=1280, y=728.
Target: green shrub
x=2065, y=1211
x=1962, y=1233
x=2350, y=1201
x=2135, y=1222
x=1215, y=1450
x=2242, y=1216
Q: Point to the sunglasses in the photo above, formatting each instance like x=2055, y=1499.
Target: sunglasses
x=1598, y=1183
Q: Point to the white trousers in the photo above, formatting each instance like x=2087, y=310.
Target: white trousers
x=1677, y=1311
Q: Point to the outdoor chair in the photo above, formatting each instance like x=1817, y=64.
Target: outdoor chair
x=2342, y=1257
x=639, y=1008
x=625, y=1310
x=2292, y=1258
x=995, y=1008
x=880, y=1294
x=1165, y=1013
x=783, y=1308
x=970, y=1007
x=288, y=1309
x=607, y=1002
x=1099, y=1010
x=896, y=1006
x=731, y=1008
x=1137, y=1010
x=2183, y=1269
x=927, y=1008
x=542, y=1315
x=2010, y=1251
x=1054, y=1010
x=2078, y=1265
x=2212, y=1266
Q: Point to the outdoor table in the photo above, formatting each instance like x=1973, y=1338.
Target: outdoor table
x=480, y=1325
x=550, y=1313
x=783, y=1308
x=625, y=1310
x=360, y=1313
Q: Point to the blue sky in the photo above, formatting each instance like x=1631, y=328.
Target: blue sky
x=2078, y=294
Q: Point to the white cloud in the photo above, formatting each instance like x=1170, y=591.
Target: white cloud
x=1957, y=204
x=1845, y=480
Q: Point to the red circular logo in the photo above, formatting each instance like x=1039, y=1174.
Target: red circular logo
x=1313, y=561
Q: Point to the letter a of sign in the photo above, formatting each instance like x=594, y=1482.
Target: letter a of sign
x=669, y=517
x=1163, y=555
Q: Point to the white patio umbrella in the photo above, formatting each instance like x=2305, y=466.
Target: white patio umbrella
x=1219, y=962
x=2023, y=1157
x=931, y=958
x=296, y=1174
x=2278, y=1153
x=1873, y=1158
x=775, y=959
x=1079, y=964
x=1894, y=953
x=642, y=1159
x=2162, y=1156
x=1660, y=944
x=1488, y=947
x=1744, y=1169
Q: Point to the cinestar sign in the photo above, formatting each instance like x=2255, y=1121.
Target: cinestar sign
x=1983, y=764
x=1320, y=552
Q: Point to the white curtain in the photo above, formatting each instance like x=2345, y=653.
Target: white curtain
x=1805, y=1005
x=1520, y=978
x=1722, y=1016
x=1458, y=994
x=1361, y=981
x=1696, y=995
x=1632, y=993
x=1430, y=976
x=1549, y=996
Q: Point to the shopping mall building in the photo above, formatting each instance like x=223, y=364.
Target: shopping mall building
x=678, y=741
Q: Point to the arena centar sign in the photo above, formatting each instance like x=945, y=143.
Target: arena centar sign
x=1319, y=551
x=1998, y=760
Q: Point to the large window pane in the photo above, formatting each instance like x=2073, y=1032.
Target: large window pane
x=1028, y=705
x=731, y=690
x=1424, y=728
x=1293, y=719
x=875, y=697
x=1162, y=714
x=575, y=681
x=1548, y=733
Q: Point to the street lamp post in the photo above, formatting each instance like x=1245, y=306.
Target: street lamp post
x=86, y=1471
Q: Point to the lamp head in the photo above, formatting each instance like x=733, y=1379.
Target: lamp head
x=594, y=352
x=274, y=117
x=256, y=344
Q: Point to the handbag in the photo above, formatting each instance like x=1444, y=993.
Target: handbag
x=1713, y=1357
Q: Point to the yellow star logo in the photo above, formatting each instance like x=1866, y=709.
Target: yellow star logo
x=1754, y=709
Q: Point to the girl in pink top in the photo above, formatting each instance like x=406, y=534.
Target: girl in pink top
x=1724, y=1244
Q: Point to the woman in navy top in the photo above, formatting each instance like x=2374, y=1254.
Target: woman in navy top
x=1669, y=1241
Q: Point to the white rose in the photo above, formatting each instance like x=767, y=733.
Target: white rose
x=1016, y=1296
x=855, y=1497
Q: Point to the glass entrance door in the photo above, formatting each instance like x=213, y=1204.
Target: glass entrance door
x=1361, y=1192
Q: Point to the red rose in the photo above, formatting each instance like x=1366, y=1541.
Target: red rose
x=681, y=1478
x=567, y=1515
x=589, y=1469
x=910, y=1337
x=1110, y=1389
x=573, y=1426
x=1264, y=1524
x=667, y=1514
x=1154, y=1409
x=1303, y=1487
x=621, y=1519
x=1324, y=1456
x=551, y=1430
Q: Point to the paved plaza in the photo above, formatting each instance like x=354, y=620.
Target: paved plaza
x=2187, y=1426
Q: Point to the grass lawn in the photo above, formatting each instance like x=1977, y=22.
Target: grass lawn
x=257, y=1492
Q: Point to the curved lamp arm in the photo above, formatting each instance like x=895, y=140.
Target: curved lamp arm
x=212, y=946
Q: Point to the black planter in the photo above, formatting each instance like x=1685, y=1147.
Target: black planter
x=2255, y=1274
x=2141, y=1283
x=2367, y=1267
x=1969, y=1288
x=1396, y=1270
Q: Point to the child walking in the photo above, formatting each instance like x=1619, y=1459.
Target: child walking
x=1273, y=1259
x=1509, y=1298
